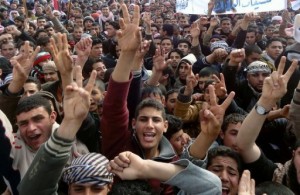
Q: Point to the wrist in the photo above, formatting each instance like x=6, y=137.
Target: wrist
x=267, y=104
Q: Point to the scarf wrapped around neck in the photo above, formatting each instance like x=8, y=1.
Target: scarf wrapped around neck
x=110, y=17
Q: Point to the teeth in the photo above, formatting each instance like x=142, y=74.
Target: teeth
x=149, y=134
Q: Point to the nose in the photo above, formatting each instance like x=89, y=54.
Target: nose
x=31, y=126
x=261, y=77
x=224, y=176
x=150, y=123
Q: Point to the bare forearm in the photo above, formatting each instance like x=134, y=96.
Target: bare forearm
x=154, y=79
x=201, y=145
x=123, y=67
x=68, y=129
x=16, y=86
x=160, y=171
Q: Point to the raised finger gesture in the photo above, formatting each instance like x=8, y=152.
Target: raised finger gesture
x=159, y=63
x=211, y=116
x=246, y=185
x=220, y=86
x=275, y=86
x=129, y=37
x=195, y=30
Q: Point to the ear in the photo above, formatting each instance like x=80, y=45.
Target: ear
x=53, y=116
x=133, y=122
x=166, y=125
x=163, y=100
x=104, y=93
x=222, y=135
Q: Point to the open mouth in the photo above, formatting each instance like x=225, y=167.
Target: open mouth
x=34, y=137
x=225, y=191
x=148, y=137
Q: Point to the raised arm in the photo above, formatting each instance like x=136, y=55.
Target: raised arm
x=129, y=166
x=114, y=122
x=274, y=88
x=54, y=154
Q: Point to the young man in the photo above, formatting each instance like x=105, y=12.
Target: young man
x=86, y=173
x=274, y=88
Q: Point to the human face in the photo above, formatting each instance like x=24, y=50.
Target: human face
x=77, y=33
x=182, y=22
x=41, y=23
x=250, y=38
x=29, y=89
x=8, y=50
x=88, y=24
x=150, y=126
x=274, y=49
x=186, y=31
x=253, y=57
x=31, y=31
x=21, y=10
x=100, y=68
x=256, y=80
x=178, y=142
x=88, y=189
x=43, y=34
x=6, y=37
x=229, y=135
x=111, y=31
x=154, y=30
x=269, y=32
x=35, y=126
x=175, y=59
x=18, y=23
x=226, y=169
x=96, y=51
x=79, y=22
x=159, y=22
x=183, y=70
x=167, y=45
x=50, y=76
x=202, y=81
x=50, y=31
x=171, y=101
x=226, y=26
x=96, y=97
x=105, y=11
x=296, y=157
x=184, y=47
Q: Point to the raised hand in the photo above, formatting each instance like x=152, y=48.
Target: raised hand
x=275, y=86
x=49, y=12
x=211, y=116
x=129, y=37
x=220, y=86
x=159, y=63
x=191, y=81
x=76, y=101
x=76, y=105
x=139, y=55
x=195, y=30
x=246, y=185
x=22, y=64
x=237, y=56
x=12, y=29
x=214, y=22
x=127, y=166
x=83, y=48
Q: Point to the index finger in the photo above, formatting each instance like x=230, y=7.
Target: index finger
x=136, y=15
x=212, y=95
x=281, y=65
x=125, y=14
x=228, y=100
x=291, y=70
x=91, y=81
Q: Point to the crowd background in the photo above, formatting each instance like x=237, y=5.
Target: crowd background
x=220, y=92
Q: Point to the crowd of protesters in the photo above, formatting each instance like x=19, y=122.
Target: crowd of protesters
x=130, y=97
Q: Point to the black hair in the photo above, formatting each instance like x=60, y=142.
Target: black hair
x=174, y=125
x=177, y=51
x=208, y=71
x=273, y=188
x=150, y=103
x=233, y=118
x=131, y=187
x=35, y=81
x=96, y=41
x=270, y=41
x=250, y=49
x=114, y=24
x=170, y=92
x=21, y=43
x=32, y=102
x=148, y=90
x=224, y=152
x=168, y=28
x=184, y=41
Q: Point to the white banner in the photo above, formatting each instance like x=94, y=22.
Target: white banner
x=229, y=6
